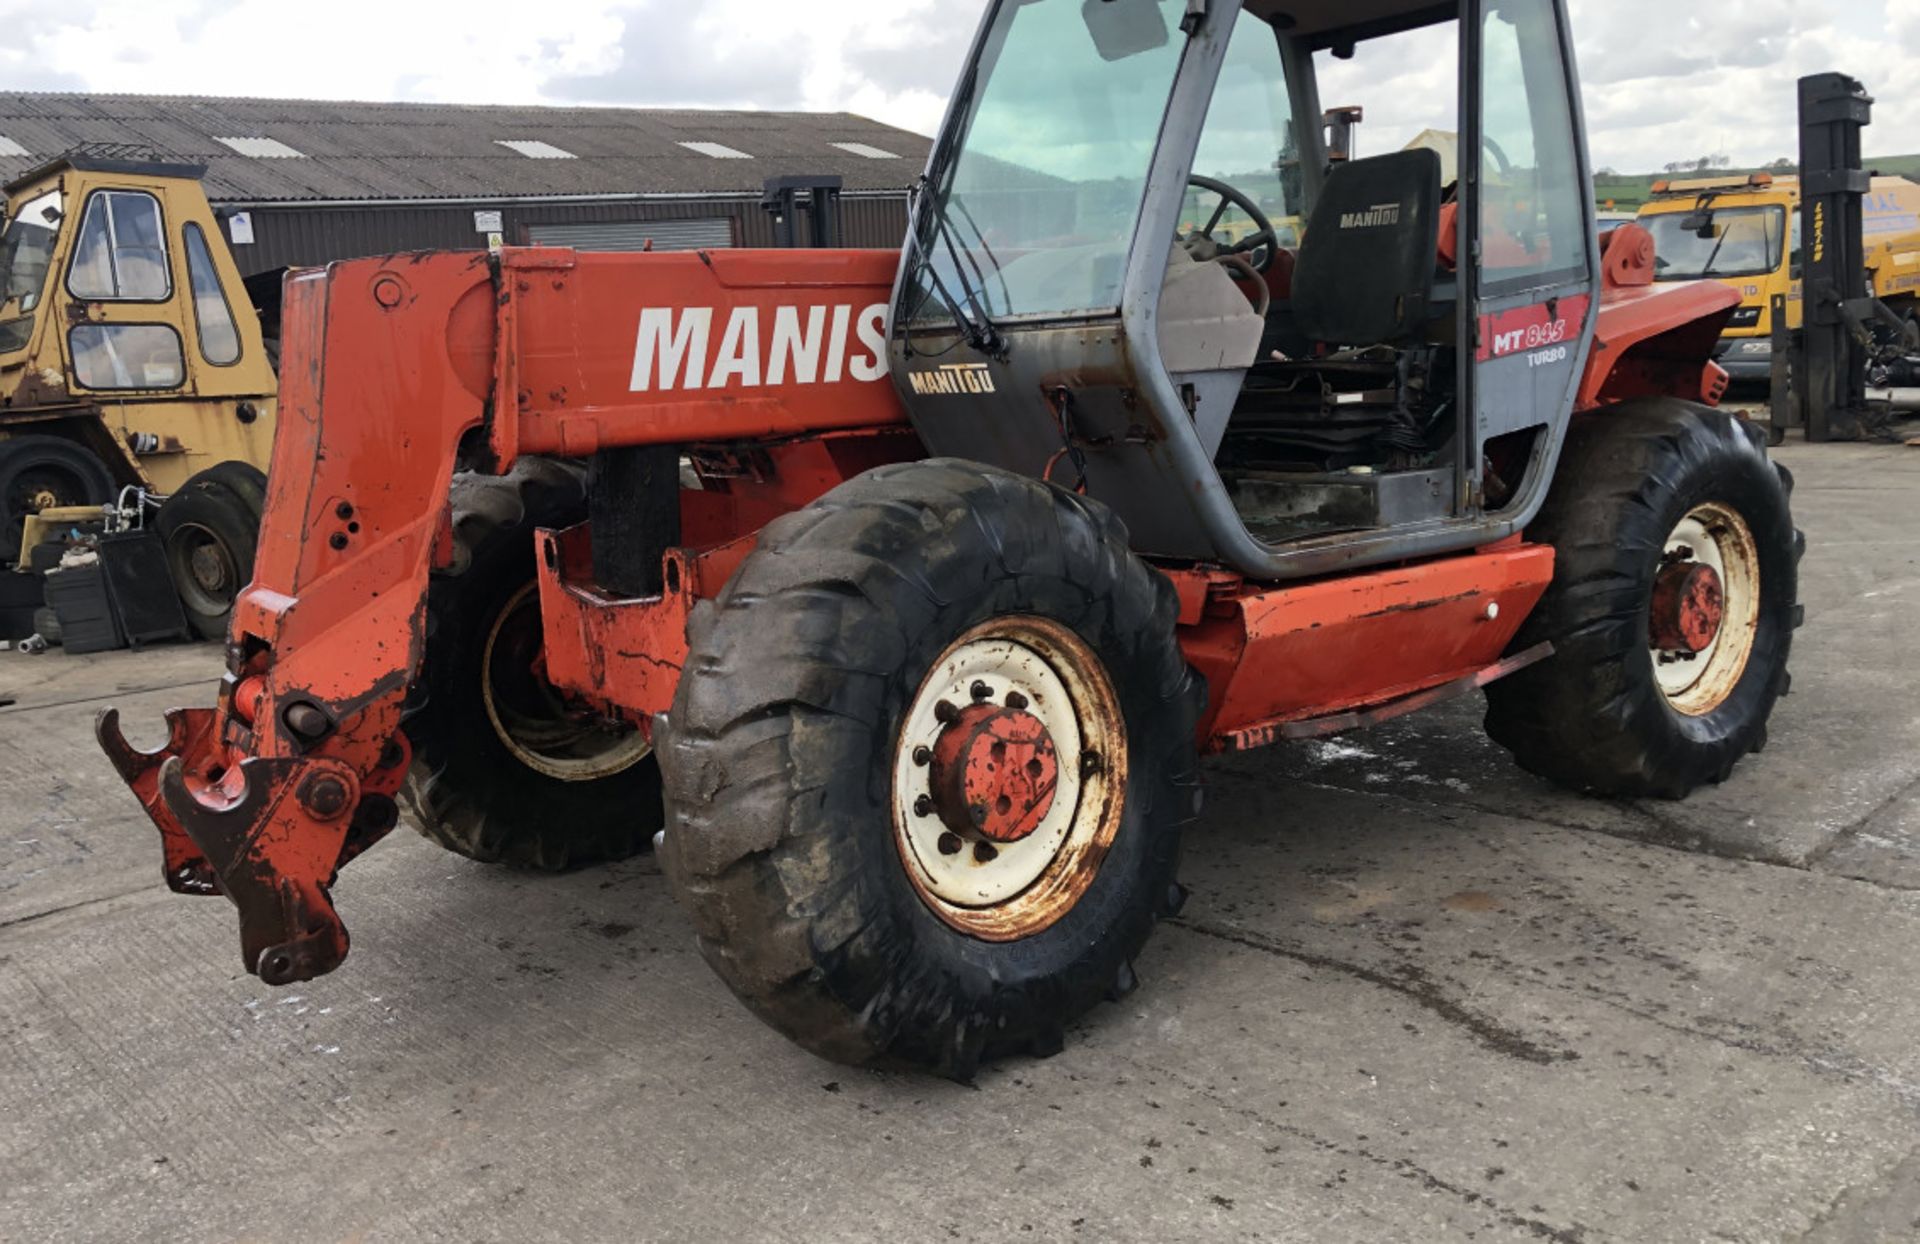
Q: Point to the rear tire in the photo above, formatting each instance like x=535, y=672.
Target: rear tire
x=505, y=771
x=816, y=890
x=211, y=529
x=45, y=472
x=1642, y=490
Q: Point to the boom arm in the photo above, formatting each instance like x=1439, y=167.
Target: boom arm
x=391, y=368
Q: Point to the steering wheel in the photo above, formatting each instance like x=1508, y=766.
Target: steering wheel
x=1257, y=250
x=1498, y=153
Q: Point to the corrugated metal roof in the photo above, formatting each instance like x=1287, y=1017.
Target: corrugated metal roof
x=354, y=151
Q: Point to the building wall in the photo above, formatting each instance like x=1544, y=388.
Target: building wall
x=296, y=235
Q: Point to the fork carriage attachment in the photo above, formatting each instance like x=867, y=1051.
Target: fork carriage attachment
x=400, y=370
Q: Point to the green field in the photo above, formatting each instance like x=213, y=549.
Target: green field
x=1628, y=191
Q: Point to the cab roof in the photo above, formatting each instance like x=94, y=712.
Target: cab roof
x=1332, y=23
x=82, y=163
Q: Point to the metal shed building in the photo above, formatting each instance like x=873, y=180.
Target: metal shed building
x=305, y=182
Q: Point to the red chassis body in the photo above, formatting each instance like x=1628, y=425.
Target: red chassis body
x=772, y=368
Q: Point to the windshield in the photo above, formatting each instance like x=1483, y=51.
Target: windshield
x=26, y=250
x=1738, y=241
x=1042, y=189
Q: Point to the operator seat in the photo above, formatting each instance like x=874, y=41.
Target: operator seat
x=1365, y=271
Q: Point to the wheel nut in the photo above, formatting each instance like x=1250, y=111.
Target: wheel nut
x=1016, y=701
x=984, y=853
x=950, y=844
x=981, y=691
x=945, y=713
x=922, y=756
x=923, y=806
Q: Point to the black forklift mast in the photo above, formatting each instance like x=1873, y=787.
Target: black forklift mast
x=782, y=199
x=1830, y=358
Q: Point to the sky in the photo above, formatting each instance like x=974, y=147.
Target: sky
x=1665, y=80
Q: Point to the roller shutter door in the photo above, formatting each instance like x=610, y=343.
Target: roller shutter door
x=633, y=235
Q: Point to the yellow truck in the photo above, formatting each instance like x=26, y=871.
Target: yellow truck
x=1745, y=233
x=131, y=356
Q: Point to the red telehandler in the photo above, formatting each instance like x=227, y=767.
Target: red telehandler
x=906, y=592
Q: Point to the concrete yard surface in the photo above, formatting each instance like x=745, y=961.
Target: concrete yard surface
x=1416, y=995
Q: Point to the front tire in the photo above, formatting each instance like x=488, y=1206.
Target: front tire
x=1672, y=607
x=505, y=770
x=860, y=884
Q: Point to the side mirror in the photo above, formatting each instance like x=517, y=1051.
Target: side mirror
x=1125, y=28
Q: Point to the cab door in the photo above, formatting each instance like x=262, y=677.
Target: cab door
x=1530, y=225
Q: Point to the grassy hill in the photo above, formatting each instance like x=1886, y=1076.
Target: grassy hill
x=1627, y=191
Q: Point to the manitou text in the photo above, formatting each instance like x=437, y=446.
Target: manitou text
x=758, y=347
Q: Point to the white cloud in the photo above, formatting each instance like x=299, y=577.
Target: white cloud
x=1664, y=80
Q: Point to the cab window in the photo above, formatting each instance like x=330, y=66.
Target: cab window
x=1533, y=226
x=212, y=316
x=1033, y=211
x=127, y=356
x=1248, y=143
x=121, y=255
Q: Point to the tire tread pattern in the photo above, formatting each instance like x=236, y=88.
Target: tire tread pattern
x=1592, y=718
x=795, y=671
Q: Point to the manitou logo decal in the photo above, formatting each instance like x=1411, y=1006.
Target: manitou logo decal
x=1379, y=216
x=952, y=380
x=802, y=345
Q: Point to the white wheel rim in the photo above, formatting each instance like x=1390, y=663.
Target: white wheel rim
x=1715, y=536
x=1014, y=889
x=567, y=755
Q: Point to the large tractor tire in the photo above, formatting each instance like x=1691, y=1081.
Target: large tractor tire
x=1672, y=609
x=928, y=768
x=43, y=473
x=211, y=529
x=505, y=769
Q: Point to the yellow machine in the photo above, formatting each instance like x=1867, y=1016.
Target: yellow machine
x=1745, y=233
x=130, y=355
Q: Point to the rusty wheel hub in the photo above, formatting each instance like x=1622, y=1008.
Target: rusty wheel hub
x=1009, y=778
x=994, y=771
x=1688, y=605
x=1705, y=610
